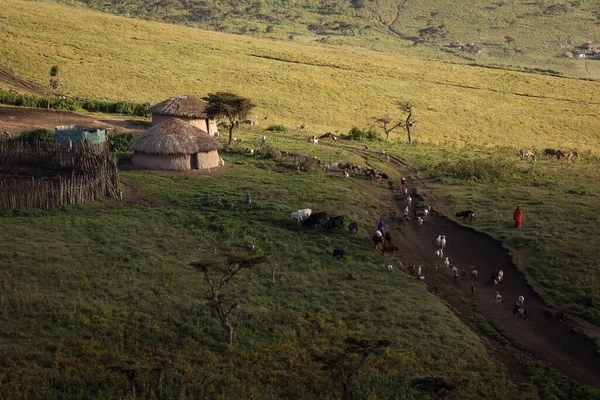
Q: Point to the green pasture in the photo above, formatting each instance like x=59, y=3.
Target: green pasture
x=89, y=289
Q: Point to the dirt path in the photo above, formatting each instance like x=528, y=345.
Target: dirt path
x=18, y=119
x=541, y=335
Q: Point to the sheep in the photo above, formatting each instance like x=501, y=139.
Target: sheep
x=419, y=270
x=426, y=212
x=498, y=298
x=409, y=200
x=446, y=262
x=438, y=241
x=263, y=140
x=382, y=152
x=420, y=221
x=300, y=214
x=221, y=162
x=443, y=242
x=422, y=277
x=405, y=191
x=500, y=276
x=390, y=267
x=439, y=253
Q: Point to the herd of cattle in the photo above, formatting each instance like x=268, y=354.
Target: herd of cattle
x=528, y=154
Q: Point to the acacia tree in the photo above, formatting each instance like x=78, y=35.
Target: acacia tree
x=54, y=83
x=217, y=300
x=344, y=366
x=230, y=106
x=388, y=124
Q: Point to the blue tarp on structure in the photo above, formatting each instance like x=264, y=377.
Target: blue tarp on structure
x=66, y=134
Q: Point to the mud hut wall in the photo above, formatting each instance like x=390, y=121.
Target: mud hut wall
x=212, y=127
x=176, y=162
x=208, y=160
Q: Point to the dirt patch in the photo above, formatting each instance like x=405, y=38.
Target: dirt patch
x=18, y=119
x=23, y=173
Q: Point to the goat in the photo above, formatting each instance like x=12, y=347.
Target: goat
x=263, y=140
x=426, y=212
x=366, y=147
x=498, y=298
x=221, y=162
x=473, y=273
x=301, y=214
x=526, y=154
x=443, y=242
x=420, y=221
x=439, y=253
x=472, y=289
x=419, y=270
x=351, y=276
x=313, y=140
x=249, y=151
x=409, y=200
x=302, y=127
x=346, y=173
x=446, y=262
x=438, y=241
x=500, y=276
x=390, y=267
x=382, y=152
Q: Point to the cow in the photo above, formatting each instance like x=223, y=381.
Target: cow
x=466, y=214
x=301, y=214
x=315, y=219
x=335, y=222
x=353, y=226
x=526, y=154
x=566, y=154
x=339, y=253
x=377, y=241
x=389, y=248
x=549, y=152
x=388, y=238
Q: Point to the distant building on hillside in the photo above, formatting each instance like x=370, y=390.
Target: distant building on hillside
x=69, y=134
x=175, y=145
x=186, y=108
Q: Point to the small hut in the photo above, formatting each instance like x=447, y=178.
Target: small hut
x=187, y=108
x=175, y=145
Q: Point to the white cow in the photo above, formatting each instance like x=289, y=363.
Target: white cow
x=300, y=214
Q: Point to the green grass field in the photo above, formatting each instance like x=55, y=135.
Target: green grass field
x=107, y=284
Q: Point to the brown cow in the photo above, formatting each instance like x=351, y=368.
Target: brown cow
x=566, y=154
x=389, y=248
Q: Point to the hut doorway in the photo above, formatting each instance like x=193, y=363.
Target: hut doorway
x=194, y=161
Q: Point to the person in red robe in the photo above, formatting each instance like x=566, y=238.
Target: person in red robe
x=518, y=217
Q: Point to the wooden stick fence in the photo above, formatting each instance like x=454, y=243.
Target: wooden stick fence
x=94, y=173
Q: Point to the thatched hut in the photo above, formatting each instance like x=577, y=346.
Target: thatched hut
x=175, y=145
x=187, y=108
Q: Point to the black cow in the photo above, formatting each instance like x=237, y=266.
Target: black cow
x=353, y=227
x=339, y=253
x=335, y=222
x=466, y=214
x=388, y=238
x=315, y=219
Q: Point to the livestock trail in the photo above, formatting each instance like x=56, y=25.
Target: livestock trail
x=556, y=344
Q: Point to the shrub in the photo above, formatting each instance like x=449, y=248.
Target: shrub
x=277, y=128
x=363, y=134
x=41, y=135
x=119, y=143
x=484, y=170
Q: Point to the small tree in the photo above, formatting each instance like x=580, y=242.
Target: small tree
x=388, y=124
x=53, y=84
x=217, y=301
x=344, y=366
x=232, y=107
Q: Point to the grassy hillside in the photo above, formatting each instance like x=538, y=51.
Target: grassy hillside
x=90, y=290
x=511, y=33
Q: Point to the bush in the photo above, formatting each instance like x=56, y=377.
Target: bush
x=363, y=134
x=277, y=128
x=41, y=135
x=484, y=170
x=119, y=143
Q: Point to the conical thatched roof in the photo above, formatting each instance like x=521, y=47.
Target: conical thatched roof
x=174, y=137
x=181, y=106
